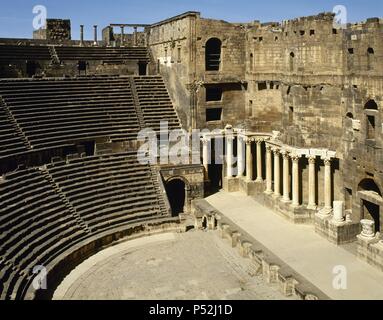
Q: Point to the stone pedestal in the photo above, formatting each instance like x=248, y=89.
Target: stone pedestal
x=338, y=217
x=370, y=250
x=368, y=229
x=335, y=231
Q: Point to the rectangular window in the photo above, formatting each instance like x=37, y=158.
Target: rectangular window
x=213, y=114
x=371, y=127
x=262, y=86
x=213, y=94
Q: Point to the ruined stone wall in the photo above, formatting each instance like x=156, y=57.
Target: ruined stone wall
x=178, y=45
x=58, y=30
x=326, y=76
x=229, y=76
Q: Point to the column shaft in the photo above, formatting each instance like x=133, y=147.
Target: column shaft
x=229, y=156
x=259, y=161
x=286, y=178
x=205, y=156
x=249, y=161
x=268, y=170
x=135, y=37
x=240, y=156
x=295, y=160
x=312, y=183
x=277, y=174
x=95, y=35
x=327, y=184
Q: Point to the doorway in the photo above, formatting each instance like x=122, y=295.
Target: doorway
x=371, y=211
x=175, y=190
x=31, y=68
x=142, y=66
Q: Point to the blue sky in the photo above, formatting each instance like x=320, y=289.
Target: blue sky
x=16, y=15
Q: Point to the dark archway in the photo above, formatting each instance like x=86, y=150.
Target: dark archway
x=175, y=190
x=204, y=223
x=370, y=207
x=371, y=105
x=371, y=211
x=82, y=66
x=142, y=68
x=31, y=68
x=213, y=54
x=369, y=185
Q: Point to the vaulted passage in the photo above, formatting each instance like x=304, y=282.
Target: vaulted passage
x=31, y=68
x=213, y=54
x=175, y=190
x=370, y=202
x=371, y=212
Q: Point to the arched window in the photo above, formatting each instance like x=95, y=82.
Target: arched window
x=349, y=115
x=370, y=58
x=369, y=185
x=371, y=105
x=213, y=54
x=291, y=61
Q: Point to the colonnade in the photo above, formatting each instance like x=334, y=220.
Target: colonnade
x=278, y=179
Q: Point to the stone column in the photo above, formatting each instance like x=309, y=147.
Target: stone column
x=82, y=35
x=338, y=212
x=95, y=35
x=122, y=36
x=277, y=173
x=295, y=160
x=259, y=161
x=312, y=183
x=286, y=177
x=135, y=37
x=268, y=170
x=240, y=156
x=205, y=155
x=327, y=185
x=229, y=156
x=249, y=160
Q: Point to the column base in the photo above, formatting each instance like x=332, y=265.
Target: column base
x=338, y=223
x=230, y=184
x=325, y=212
x=312, y=207
x=286, y=200
x=277, y=196
x=259, y=180
x=295, y=205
